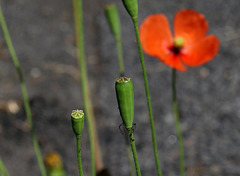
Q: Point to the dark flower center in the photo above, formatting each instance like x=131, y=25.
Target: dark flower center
x=175, y=50
x=178, y=43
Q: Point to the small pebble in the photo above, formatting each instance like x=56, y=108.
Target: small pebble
x=13, y=106
x=204, y=72
x=35, y=72
x=172, y=139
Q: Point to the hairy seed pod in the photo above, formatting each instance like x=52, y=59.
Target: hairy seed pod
x=132, y=8
x=125, y=98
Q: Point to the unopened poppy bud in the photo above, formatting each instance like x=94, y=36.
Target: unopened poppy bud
x=53, y=160
x=77, y=117
x=54, y=164
x=113, y=19
x=125, y=98
x=132, y=8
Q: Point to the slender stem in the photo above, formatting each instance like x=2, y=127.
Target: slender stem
x=177, y=123
x=121, y=73
x=148, y=98
x=120, y=56
x=3, y=169
x=129, y=155
x=24, y=93
x=79, y=155
x=134, y=151
x=38, y=153
x=78, y=19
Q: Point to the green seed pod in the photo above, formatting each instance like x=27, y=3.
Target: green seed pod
x=132, y=8
x=113, y=19
x=77, y=117
x=125, y=98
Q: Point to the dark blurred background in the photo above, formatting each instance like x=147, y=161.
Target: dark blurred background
x=209, y=96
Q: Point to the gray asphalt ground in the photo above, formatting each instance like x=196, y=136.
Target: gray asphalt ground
x=209, y=95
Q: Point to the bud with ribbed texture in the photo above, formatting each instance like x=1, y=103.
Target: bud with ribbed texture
x=132, y=8
x=77, y=117
x=125, y=98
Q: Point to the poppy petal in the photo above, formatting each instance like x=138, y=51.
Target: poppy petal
x=155, y=35
x=174, y=62
x=200, y=52
x=190, y=25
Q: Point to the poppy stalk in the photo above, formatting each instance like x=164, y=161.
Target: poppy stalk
x=115, y=26
x=3, y=169
x=77, y=118
x=125, y=99
x=96, y=156
x=24, y=93
x=177, y=124
x=189, y=46
x=132, y=8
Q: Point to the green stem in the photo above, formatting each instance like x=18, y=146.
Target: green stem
x=120, y=56
x=134, y=151
x=79, y=155
x=129, y=155
x=3, y=169
x=78, y=19
x=177, y=123
x=24, y=93
x=121, y=74
x=148, y=98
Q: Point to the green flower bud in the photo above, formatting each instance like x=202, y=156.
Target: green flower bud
x=54, y=164
x=113, y=19
x=77, y=117
x=125, y=98
x=132, y=8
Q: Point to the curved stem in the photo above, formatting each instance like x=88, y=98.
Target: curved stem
x=24, y=93
x=78, y=20
x=134, y=151
x=148, y=98
x=177, y=123
x=79, y=155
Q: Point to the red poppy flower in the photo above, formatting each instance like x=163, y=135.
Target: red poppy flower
x=189, y=46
